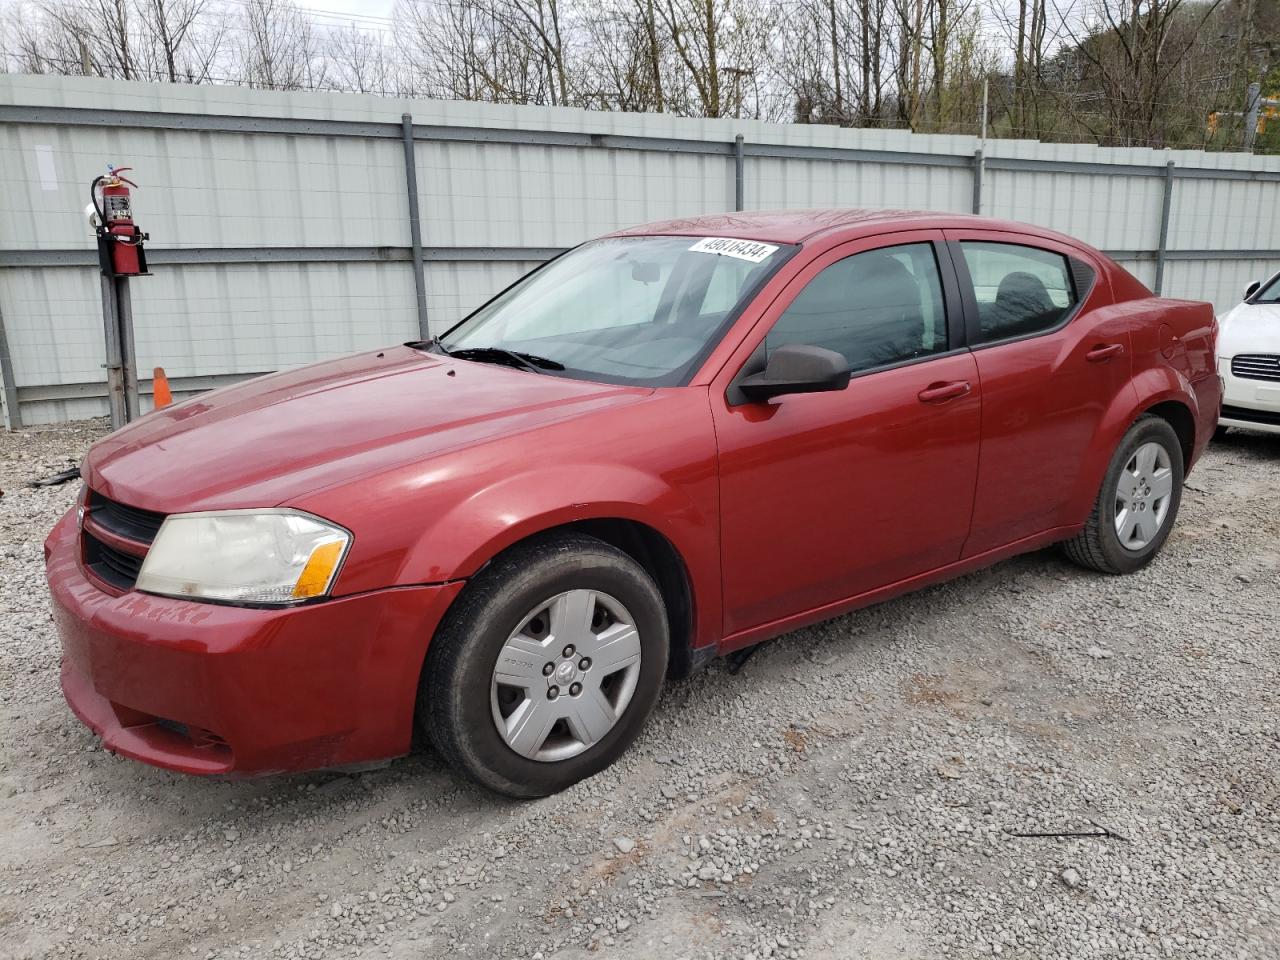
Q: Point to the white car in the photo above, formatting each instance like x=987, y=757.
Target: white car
x=1249, y=360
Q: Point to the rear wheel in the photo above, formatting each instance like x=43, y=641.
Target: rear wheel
x=547, y=667
x=1137, y=504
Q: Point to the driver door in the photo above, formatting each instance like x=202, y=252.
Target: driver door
x=827, y=496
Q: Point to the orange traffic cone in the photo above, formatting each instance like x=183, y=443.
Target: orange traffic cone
x=160, y=392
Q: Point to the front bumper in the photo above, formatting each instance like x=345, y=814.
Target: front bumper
x=1247, y=402
x=231, y=691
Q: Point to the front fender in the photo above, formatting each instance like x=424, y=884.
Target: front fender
x=456, y=544
x=459, y=542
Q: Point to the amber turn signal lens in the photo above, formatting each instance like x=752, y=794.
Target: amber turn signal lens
x=318, y=571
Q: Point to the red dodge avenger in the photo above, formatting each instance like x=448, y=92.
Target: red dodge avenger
x=666, y=445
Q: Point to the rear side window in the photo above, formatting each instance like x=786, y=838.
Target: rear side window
x=876, y=308
x=1020, y=290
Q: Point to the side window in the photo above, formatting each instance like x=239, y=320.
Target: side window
x=876, y=308
x=1020, y=290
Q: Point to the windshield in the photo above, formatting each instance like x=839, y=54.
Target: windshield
x=642, y=310
x=1269, y=293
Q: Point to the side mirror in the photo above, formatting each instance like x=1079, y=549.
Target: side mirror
x=797, y=368
x=1251, y=289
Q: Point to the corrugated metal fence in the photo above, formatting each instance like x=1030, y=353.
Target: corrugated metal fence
x=283, y=230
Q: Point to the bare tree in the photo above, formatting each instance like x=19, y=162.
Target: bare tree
x=89, y=38
x=722, y=46
x=627, y=59
x=538, y=26
x=1130, y=57
x=467, y=50
x=1115, y=71
x=694, y=29
x=280, y=49
x=182, y=38
x=358, y=61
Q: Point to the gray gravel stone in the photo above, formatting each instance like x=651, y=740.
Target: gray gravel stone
x=853, y=793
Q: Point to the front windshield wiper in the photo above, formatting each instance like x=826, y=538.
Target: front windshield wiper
x=512, y=358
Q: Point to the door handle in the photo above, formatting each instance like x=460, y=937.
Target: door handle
x=943, y=391
x=1104, y=351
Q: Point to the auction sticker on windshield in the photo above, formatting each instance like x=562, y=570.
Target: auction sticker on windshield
x=742, y=249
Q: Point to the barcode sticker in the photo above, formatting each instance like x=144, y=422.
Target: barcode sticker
x=749, y=250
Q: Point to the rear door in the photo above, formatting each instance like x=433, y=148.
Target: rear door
x=1051, y=360
x=825, y=496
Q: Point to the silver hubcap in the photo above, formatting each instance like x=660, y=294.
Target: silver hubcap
x=565, y=675
x=1143, y=495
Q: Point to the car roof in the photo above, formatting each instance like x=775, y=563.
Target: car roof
x=797, y=226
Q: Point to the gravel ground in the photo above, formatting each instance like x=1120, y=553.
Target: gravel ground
x=856, y=791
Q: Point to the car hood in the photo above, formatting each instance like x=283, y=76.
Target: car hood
x=276, y=438
x=1250, y=328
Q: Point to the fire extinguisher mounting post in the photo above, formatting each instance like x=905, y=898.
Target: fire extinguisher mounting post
x=128, y=349
x=120, y=256
x=114, y=365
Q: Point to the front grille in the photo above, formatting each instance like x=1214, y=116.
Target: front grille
x=113, y=566
x=1269, y=417
x=1256, y=366
x=125, y=521
x=117, y=564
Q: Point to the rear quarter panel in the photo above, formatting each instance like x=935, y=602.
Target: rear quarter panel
x=1172, y=359
x=1174, y=345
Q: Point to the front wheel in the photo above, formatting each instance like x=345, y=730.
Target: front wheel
x=1137, y=504
x=547, y=667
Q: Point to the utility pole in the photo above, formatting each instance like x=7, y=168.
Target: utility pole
x=1252, y=108
x=738, y=73
x=986, y=83
x=980, y=155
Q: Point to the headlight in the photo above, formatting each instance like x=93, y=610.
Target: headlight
x=244, y=556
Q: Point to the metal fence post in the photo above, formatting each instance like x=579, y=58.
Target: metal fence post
x=12, y=415
x=737, y=172
x=1163, y=249
x=979, y=169
x=415, y=225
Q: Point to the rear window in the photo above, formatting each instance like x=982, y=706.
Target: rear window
x=1020, y=290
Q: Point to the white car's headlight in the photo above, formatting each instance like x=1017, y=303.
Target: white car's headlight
x=244, y=556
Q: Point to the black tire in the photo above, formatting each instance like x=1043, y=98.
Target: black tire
x=1220, y=432
x=1098, y=546
x=454, y=694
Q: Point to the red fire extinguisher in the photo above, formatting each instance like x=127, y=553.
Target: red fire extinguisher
x=119, y=238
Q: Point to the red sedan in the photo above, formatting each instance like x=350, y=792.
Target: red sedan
x=666, y=445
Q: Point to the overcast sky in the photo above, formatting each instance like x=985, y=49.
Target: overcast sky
x=356, y=8
x=371, y=8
